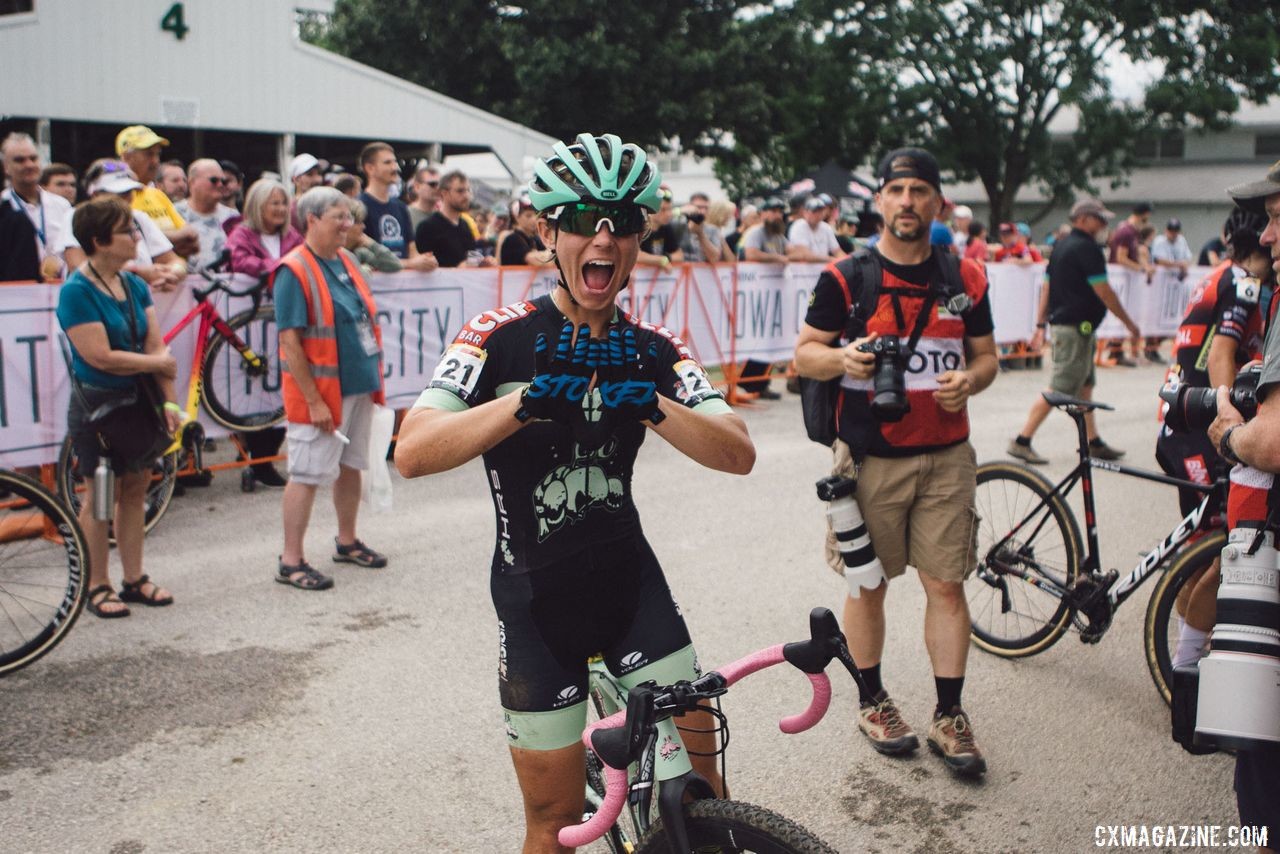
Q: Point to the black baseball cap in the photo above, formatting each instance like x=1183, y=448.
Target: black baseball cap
x=909, y=163
x=1174, y=224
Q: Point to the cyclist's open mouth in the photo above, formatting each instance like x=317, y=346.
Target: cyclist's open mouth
x=597, y=276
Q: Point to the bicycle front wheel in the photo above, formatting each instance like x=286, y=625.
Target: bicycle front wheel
x=43, y=571
x=733, y=826
x=1164, y=623
x=239, y=393
x=164, y=479
x=1022, y=528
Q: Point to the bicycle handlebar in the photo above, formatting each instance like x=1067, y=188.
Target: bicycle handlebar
x=223, y=283
x=616, y=778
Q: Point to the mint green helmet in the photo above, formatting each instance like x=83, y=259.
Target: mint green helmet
x=595, y=169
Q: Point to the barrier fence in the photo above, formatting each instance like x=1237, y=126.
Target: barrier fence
x=727, y=313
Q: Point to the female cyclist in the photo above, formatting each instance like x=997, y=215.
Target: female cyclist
x=557, y=394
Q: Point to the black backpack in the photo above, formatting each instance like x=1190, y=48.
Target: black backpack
x=819, y=398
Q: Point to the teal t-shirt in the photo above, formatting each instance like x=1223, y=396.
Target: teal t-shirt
x=80, y=302
x=357, y=370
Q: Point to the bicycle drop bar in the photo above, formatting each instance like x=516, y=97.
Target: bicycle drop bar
x=616, y=739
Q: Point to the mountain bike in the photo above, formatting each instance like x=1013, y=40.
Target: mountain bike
x=235, y=372
x=43, y=571
x=637, y=732
x=1035, y=579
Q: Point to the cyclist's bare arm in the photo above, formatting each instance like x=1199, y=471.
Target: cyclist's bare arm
x=718, y=441
x=436, y=440
x=1222, y=360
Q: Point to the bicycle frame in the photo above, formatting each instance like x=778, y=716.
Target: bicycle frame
x=209, y=319
x=1123, y=588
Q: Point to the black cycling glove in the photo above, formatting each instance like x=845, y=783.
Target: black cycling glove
x=628, y=379
x=560, y=378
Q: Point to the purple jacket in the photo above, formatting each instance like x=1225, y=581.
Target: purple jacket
x=249, y=256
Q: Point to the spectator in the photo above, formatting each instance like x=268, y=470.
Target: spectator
x=19, y=258
x=846, y=228
x=305, y=172
x=661, y=247
x=139, y=146
x=522, y=245
x=767, y=242
x=1214, y=249
x=256, y=244
x=719, y=213
x=1170, y=249
x=154, y=259
x=204, y=211
x=349, y=185
x=1075, y=299
x=748, y=218
x=961, y=219
x=870, y=225
x=940, y=232
x=372, y=255
x=446, y=235
x=702, y=240
x=233, y=189
x=1123, y=249
x=1013, y=247
x=60, y=179
x=975, y=248
x=389, y=222
x=810, y=238
x=49, y=214
x=426, y=193
x=171, y=178
x=106, y=313
x=333, y=351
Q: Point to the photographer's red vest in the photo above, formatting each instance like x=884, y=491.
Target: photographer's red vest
x=927, y=426
x=320, y=337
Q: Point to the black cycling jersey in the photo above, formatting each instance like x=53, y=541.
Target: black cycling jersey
x=1224, y=303
x=552, y=499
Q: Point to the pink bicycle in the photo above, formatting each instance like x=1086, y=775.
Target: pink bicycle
x=643, y=737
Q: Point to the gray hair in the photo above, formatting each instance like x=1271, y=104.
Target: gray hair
x=358, y=210
x=13, y=139
x=316, y=201
x=256, y=199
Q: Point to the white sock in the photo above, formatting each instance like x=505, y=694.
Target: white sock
x=1190, y=649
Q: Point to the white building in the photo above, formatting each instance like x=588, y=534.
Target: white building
x=1184, y=174
x=233, y=81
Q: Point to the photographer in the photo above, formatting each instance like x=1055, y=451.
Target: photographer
x=906, y=433
x=1221, y=332
x=1254, y=448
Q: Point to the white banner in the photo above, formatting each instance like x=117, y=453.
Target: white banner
x=726, y=313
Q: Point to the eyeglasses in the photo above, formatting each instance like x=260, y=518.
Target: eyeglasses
x=217, y=180
x=586, y=219
x=344, y=217
x=432, y=183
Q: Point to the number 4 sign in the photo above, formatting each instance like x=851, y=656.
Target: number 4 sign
x=175, y=22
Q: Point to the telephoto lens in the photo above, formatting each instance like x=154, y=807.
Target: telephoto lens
x=1238, y=703
x=861, y=566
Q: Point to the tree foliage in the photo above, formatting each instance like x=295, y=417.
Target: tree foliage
x=777, y=89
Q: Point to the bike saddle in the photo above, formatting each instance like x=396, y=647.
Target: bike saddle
x=1054, y=398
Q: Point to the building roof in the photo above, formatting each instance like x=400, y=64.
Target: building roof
x=1187, y=182
x=240, y=67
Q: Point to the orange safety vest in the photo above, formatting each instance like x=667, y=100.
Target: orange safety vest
x=320, y=336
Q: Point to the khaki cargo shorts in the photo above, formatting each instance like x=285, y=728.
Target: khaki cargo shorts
x=1073, y=357
x=314, y=455
x=919, y=511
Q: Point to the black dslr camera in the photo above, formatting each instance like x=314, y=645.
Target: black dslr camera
x=889, y=381
x=1193, y=409
x=696, y=217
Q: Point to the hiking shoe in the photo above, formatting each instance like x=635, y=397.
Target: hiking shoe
x=1125, y=362
x=1102, y=451
x=1026, y=453
x=951, y=737
x=359, y=554
x=882, y=724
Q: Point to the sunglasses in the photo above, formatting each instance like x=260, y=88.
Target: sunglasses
x=586, y=219
x=217, y=180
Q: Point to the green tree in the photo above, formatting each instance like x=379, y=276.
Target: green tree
x=983, y=81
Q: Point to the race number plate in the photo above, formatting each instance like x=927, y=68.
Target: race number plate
x=459, y=369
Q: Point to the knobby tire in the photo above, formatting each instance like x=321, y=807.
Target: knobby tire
x=733, y=826
x=254, y=402
x=1159, y=635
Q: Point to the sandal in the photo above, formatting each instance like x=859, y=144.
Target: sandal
x=303, y=576
x=132, y=592
x=95, y=608
x=359, y=554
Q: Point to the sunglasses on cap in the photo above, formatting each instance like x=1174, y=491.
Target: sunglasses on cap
x=586, y=219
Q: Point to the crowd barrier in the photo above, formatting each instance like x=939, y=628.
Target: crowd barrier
x=725, y=312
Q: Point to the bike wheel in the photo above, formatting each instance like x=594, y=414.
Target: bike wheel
x=1010, y=616
x=238, y=394
x=43, y=571
x=164, y=479
x=1160, y=636
x=733, y=826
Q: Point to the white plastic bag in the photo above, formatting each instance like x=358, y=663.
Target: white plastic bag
x=376, y=488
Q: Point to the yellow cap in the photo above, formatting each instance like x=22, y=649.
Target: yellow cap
x=136, y=138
